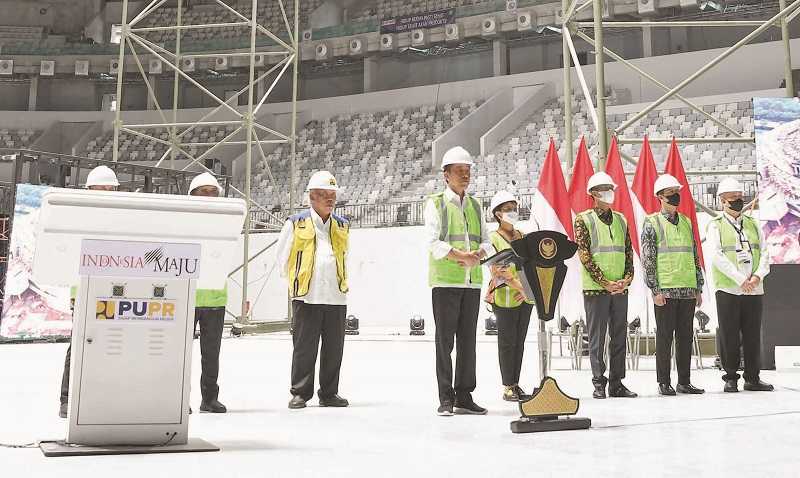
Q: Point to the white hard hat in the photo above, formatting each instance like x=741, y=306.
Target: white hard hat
x=600, y=179
x=101, y=176
x=665, y=181
x=204, y=179
x=729, y=185
x=456, y=155
x=322, y=180
x=501, y=197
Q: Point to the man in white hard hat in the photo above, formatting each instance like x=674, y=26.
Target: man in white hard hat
x=457, y=241
x=101, y=178
x=739, y=265
x=604, y=248
x=673, y=274
x=209, y=313
x=312, y=255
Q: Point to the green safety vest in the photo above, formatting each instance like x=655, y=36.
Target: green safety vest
x=453, y=225
x=504, y=295
x=607, y=247
x=211, y=297
x=675, y=262
x=729, y=241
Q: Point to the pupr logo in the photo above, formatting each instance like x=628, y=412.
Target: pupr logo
x=132, y=309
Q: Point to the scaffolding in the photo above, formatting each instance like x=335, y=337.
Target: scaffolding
x=281, y=53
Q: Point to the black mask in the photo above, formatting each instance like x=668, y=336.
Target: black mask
x=736, y=205
x=674, y=200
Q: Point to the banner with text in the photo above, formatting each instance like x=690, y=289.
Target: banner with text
x=139, y=259
x=406, y=23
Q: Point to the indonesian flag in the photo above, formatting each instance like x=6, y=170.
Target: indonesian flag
x=622, y=197
x=553, y=212
x=644, y=198
x=687, y=208
x=578, y=198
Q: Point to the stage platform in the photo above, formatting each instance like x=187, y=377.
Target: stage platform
x=391, y=428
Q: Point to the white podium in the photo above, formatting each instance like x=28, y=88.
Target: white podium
x=137, y=259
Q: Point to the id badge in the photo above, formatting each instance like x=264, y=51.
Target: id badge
x=743, y=257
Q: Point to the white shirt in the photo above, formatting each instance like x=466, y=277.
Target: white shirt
x=740, y=271
x=324, y=286
x=440, y=249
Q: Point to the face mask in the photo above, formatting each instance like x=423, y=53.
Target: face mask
x=674, y=200
x=510, y=217
x=606, y=196
x=736, y=205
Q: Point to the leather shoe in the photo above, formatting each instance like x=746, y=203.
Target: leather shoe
x=621, y=391
x=62, y=410
x=689, y=389
x=212, y=406
x=445, y=409
x=599, y=390
x=334, y=401
x=297, y=402
x=731, y=386
x=666, y=390
x=758, y=386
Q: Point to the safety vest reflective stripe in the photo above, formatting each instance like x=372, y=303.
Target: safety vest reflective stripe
x=675, y=262
x=607, y=245
x=729, y=240
x=456, y=226
x=596, y=247
x=504, y=295
x=211, y=297
x=303, y=251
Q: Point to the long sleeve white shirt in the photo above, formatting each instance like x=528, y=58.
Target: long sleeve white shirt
x=439, y=249
x=739, y=271
x=324, y=286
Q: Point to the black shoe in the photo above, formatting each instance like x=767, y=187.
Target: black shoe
x=666, y=390
x=212, y=406
x=689, y=389
x=190, y=410
x=297, y=402
x=445, y=409
x=731, y=386
x=510, y=394
x=599, y=390
x=621, y=391
x=466, y=406
x=521, y=395
x=758, y=386
x=62, y=410
x=334, y=401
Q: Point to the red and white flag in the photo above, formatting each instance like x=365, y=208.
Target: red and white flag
x=579, y=199
x=687, y=208
x=622, y=197
x=644, y=198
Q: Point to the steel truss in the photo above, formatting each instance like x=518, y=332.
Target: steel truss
x=247, y=132
x=570, y=28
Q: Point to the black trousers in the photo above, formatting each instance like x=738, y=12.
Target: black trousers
x=212, y=321
x=740, y=326
x=455, y=313
x=312, y=322
x=607, y=313
x=674, y=318
x=65, y=376
x=512, y=328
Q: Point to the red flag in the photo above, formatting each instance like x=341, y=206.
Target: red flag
x=581, y=172
x=622, y=197
x=553, y=212
x=687, y=208
x=644, y=179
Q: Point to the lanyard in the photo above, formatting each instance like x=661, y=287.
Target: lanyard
x=740, y=232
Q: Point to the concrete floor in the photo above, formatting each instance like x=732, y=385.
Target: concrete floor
x=391, y=428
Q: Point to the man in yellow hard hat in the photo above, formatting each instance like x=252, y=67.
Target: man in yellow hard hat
x=101, y=178
x=604, y=248
x=675, y=278
x=312, y=255
x=739, y=265
x=457, y=241
x=209, y=314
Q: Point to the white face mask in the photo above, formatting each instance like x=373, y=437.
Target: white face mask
x=606, y=196
x=511, y=217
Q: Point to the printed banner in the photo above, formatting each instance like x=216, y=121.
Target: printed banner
x=406, y=23
x=139, y=259
x=30, y=310
x=777, y=129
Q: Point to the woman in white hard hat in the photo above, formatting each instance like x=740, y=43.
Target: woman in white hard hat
x=511, y=308
x=605, y=252
x=209, y=314
x=101, y=178
x=739, y=264
x=673, y=274
x=312, y=255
